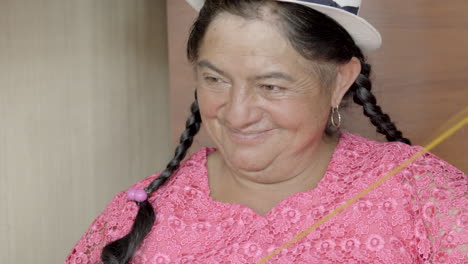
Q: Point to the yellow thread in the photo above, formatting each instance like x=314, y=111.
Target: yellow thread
x=450, y=122
x=430, y=146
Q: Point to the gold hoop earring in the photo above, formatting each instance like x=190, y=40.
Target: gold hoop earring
x=336, y=117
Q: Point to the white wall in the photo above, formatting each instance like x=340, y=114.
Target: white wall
x=83, y=114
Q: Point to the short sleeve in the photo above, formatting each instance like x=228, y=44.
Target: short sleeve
x=113, y=223
x=439, y=201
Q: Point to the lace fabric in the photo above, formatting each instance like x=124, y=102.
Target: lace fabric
x=419, y=215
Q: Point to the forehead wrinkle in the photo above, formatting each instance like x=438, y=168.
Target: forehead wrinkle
x=261, y=56
x=274, y=75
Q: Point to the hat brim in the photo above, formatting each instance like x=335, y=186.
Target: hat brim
x=366, y=36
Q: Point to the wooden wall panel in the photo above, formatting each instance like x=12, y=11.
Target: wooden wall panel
x=83, y=114
x=420, y=72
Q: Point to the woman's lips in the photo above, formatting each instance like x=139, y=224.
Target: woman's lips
x=250, y=137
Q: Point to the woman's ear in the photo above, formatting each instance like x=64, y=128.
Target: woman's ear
x=346, y=75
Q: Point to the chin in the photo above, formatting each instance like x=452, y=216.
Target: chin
x=251, y=160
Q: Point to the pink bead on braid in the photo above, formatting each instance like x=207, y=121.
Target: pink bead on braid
x=137, y=195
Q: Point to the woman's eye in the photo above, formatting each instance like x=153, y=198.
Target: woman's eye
x=212, y=79
x=272, y=88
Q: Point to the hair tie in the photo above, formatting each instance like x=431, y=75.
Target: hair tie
x=137, y=195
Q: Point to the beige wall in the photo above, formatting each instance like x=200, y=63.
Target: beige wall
x=83, y=114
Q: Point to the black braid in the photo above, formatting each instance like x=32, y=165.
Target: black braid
x=121, y=251
x=364, y=97
x=192, y=126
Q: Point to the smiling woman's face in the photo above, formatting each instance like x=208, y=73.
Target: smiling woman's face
x=260, y=100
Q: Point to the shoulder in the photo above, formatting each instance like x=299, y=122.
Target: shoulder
x=390, y=151
x=413, y=163
x=430, y=189
x=421, y=173
x=350, y=142
x=364, y=154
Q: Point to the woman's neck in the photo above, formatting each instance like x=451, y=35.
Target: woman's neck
x=231, y=186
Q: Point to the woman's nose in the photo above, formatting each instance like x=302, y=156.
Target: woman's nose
x=240, y=110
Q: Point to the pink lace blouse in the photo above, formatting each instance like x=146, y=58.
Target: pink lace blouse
x=419, y=215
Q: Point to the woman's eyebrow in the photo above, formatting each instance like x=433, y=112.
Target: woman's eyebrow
x=209, y=65
x=268, y=75
x=274, y=75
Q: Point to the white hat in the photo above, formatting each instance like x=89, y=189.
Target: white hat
x=345, y=12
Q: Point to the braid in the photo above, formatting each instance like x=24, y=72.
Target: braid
x=192, y=126
x=122, y=250
x=364, y=97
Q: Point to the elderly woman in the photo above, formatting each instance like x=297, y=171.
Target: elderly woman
x=270, y=77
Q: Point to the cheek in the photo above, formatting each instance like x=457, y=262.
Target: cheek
x=209, y=104
x=301, y=114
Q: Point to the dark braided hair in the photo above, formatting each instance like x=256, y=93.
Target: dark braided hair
x=122, y=250
x=315, y=36
x=364, y=97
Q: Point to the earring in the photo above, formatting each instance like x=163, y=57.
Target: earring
x=336, y=117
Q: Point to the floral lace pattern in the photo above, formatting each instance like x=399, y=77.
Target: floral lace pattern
x=419, y=215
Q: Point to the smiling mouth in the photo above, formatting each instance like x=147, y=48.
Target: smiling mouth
x=250, y=137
